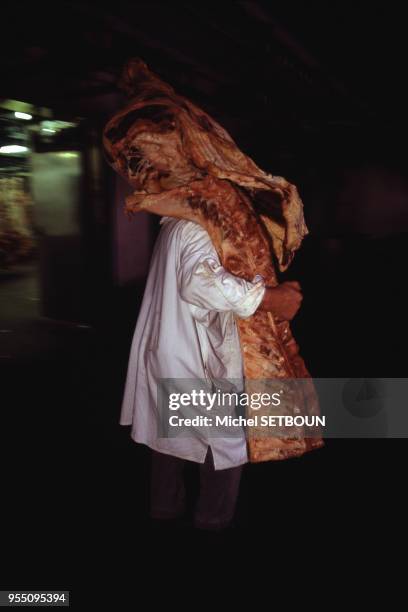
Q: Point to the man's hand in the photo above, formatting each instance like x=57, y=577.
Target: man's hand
x=283, y=301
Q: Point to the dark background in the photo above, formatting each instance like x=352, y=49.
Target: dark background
x=313, y=92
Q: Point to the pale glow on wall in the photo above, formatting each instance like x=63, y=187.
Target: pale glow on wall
x=67, y=154
x=22, y=115
x=13, y=149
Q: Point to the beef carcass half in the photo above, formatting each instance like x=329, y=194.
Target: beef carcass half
x=183, y=164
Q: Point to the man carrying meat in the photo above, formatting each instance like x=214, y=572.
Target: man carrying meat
x=212, y=307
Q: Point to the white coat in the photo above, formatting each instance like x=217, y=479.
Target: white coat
x=186, y=329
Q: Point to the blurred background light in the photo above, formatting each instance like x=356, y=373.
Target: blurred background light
x=25, y=116
x=7, y=149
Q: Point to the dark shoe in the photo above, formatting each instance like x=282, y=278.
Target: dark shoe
x=168, y=524
x=215, y=527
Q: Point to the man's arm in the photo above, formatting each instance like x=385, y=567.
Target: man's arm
x=206, y=284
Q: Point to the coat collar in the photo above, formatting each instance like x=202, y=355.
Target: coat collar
x=165, y=218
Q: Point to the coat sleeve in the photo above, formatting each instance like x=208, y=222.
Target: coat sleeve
x=205, y=283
